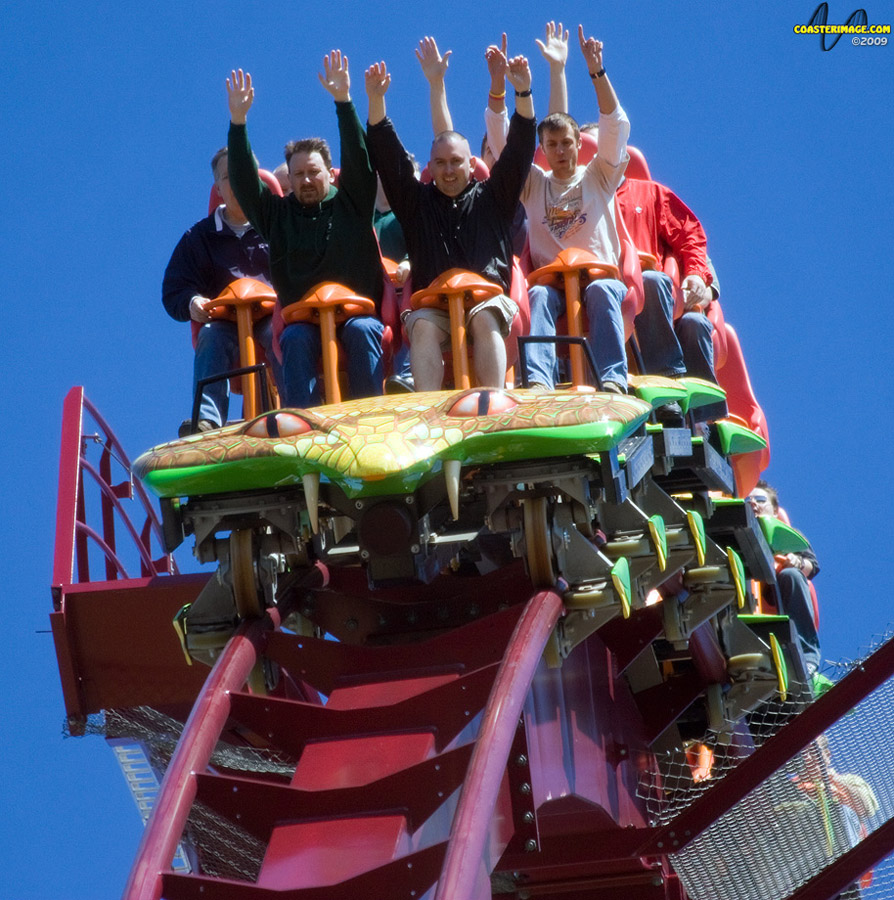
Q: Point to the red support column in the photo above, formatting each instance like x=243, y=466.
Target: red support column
x=69, y=483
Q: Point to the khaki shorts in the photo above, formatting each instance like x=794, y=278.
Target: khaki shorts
x=501, y=306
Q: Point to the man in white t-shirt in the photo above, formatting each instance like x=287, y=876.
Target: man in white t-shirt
x=573, y=206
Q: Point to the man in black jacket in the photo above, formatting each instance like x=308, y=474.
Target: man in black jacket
x=456, y=221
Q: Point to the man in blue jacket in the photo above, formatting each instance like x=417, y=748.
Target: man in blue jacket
x=213, y=253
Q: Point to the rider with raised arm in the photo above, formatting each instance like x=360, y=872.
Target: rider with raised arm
x=434, y=67
x=318, y=233
x=657, y=221
x=496, y=116
x=211, y=255
x=572, y=206
x=456, y=222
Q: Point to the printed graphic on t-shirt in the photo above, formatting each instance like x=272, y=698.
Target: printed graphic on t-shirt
x=564, y=217
x=564, y=223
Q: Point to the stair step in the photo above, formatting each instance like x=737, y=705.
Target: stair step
x=409, y=876
x=257, y=806
x=444, y=711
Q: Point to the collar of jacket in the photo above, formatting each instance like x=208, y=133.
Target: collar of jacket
x=311, y=211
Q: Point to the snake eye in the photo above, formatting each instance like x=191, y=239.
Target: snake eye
x=482, y=403
x=275, y=425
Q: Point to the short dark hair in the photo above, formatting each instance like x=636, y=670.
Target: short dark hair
x=556, y=122
x=216, y=159
x=310, y=145
x=589, y=126
x=771, y=493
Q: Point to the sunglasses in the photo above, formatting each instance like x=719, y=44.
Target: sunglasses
x=759, y=498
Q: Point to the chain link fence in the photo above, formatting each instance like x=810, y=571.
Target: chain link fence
x=800, y=819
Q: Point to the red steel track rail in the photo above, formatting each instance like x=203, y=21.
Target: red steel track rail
x=472, y=819
x=194, y=749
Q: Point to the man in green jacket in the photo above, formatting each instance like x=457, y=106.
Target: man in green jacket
x=318, y=233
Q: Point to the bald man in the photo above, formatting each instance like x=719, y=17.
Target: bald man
x=456, y=221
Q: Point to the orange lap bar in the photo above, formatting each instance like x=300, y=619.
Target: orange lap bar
x=457, y=291
x=328, y=305
x=245, y=300
x=568, y=270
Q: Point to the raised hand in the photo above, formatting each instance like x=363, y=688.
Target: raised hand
x=497, y=60
x=434, y=66
x=555, y=49
x=519, y=73
x=335, y=77
x=240, y=96
x=592, y=51
x=377, y=80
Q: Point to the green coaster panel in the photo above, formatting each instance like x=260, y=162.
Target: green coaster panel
x=780, y=666
x=621, y=581
x=657, y=390
x=758, y=619
x=821, y=685
x=697, y=530
x=737, y=570
x=728, y=501
x=735, y=438
x=782, y=538
x=658, y=533
x=700, y=393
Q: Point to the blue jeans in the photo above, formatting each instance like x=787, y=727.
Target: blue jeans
x=694, y=330
x=361, y=338
x=217, y=351
x=658, y=344
x=796, y=603
x=602, y=301
x=401, y=361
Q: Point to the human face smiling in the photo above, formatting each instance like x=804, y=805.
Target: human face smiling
x=560, y=146
x=309, y=177
x=450, y=165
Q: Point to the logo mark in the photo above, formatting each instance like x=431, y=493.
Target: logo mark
x=857, y=20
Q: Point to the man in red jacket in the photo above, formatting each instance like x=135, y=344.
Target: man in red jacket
x=660, y=223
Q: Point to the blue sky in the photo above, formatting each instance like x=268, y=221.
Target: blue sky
x=112, y=112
